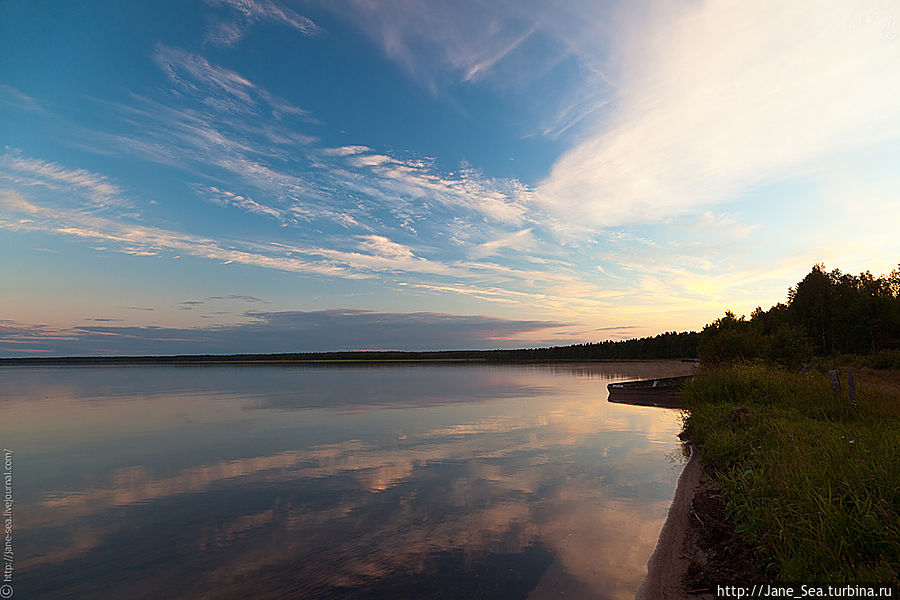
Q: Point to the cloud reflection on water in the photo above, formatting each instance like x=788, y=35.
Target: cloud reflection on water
x=553, y=475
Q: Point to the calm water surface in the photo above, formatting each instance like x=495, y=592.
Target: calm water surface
x=335, y=482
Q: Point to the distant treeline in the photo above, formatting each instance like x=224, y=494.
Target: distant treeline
x=827, y=313
x=666, y=345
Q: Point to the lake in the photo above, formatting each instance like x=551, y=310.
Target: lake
x=320, y=481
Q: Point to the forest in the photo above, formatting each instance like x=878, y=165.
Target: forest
x=827, y=313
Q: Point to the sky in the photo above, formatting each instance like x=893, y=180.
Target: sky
x=229, y=176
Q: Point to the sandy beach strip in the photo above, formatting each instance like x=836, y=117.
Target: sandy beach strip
x=668, y=564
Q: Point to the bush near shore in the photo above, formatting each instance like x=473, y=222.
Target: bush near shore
x=810, y=480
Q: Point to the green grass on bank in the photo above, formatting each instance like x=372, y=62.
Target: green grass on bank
x=885, y=359
x=810, y=481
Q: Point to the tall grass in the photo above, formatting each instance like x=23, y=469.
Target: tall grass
x=811, y=481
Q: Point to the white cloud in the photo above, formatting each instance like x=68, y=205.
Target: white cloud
x=142, y=240
x=382, y=255
x=223, y=90
x=229, y=134
x=420, y=36
x=369, y=160
x=248, y=12
x=382, y=246
x=356, y=257
x=14, y=202
x=726, y=94
x=346, y=150
x=520, y=241
x=499, y=200
x=226, y=198
x=520, y=46
x=13, y=97
x=192, y=71
x=29, y=171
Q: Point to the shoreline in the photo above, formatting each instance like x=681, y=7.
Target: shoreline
x=485, y=357
x=698, y=547
x=668, y=565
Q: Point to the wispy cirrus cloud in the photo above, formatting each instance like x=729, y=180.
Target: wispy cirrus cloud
x=219, y=87
x=439, y=43
x=346, y=150
x=132, y=238
x=561, y=51
x=15, y=98
x=191, y=72
x=522, y=240
x=361, y=256
x=217, y=118
x=218, y=125
x=23, y=171
x=414, y=190
x=226, y=198
x=245, y=13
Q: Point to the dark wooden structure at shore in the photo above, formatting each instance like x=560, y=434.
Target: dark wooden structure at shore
x=661, y=392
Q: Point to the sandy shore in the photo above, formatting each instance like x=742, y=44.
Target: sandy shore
x=698, y=548
x=669, y=563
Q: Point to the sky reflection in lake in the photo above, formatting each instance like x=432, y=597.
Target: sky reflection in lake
x=335, y=482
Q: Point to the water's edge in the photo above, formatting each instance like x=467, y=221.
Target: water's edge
x=667, y=564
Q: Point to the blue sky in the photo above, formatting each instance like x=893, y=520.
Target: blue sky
x=262, y=175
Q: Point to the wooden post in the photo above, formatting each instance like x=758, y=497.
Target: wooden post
x=851, y=386
x=835, y=381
